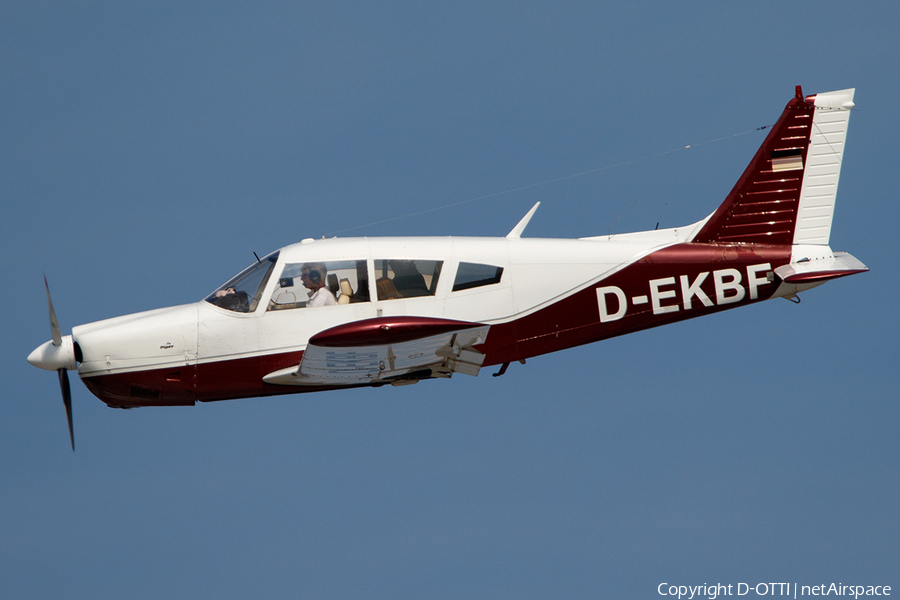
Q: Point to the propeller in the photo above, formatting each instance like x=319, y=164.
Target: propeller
x=57, y=355
x=67, y=401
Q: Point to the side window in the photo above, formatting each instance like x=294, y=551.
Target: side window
x=473, y=275
x=326, y=283
x=397, y=278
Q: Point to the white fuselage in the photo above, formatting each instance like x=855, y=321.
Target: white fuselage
x=537, y=272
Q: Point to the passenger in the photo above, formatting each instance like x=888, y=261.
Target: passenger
x=314, y=277
x=386, y=289
x=407, y=279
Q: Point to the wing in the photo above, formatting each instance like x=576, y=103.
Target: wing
x=394, y=350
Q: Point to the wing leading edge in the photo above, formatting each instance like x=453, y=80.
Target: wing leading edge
x=395, y=350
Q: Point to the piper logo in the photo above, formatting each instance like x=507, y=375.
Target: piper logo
x=669, y=294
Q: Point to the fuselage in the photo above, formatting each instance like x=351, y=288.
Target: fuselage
x=538, y=296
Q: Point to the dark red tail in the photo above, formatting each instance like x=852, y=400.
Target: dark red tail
x=762, y=207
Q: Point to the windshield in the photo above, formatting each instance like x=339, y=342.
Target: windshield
x=241, y=293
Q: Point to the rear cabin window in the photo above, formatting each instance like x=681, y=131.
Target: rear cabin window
x=396, y=278
x=326, y=283
x=473, y=275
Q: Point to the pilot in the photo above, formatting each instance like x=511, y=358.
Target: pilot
x=314, y=276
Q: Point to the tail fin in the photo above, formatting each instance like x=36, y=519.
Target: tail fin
x=786, y=194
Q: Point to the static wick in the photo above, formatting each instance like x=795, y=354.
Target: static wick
x=257, y=258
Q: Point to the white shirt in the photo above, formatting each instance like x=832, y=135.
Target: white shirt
x=321, y=297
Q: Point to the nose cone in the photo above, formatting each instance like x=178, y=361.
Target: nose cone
x=52, y=357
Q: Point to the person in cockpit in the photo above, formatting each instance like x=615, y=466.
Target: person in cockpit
x=407, y=279
x=231, y=299
x=314, y=276
x=386, y=289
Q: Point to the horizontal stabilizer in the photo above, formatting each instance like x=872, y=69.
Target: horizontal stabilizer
x=840, y=264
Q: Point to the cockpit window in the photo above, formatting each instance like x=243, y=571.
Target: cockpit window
x=397, y=278
x=325, y=283
x=242, y=292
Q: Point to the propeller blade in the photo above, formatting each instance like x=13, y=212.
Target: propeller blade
x=54, y=324
x=67, y=398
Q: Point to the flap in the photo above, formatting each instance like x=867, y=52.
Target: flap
x=389, y=350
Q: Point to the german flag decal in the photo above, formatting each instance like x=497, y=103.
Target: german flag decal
x=790, y=159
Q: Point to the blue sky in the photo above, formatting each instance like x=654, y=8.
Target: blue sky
x=150, y=148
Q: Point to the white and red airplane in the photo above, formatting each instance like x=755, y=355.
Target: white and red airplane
x=338, y=313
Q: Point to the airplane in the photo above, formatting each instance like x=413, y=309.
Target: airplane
x=326, y=314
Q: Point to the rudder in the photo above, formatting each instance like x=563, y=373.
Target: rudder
x=823, y=167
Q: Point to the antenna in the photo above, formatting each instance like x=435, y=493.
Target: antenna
x=660, y=215
x=257, y=258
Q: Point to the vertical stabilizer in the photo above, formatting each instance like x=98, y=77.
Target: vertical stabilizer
x=786, y=194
